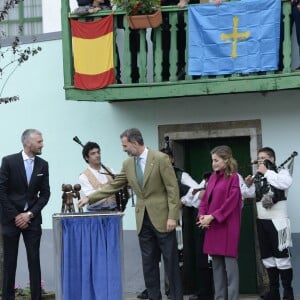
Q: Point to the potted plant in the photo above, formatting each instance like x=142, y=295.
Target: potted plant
x=141, y=13
x=24, y=293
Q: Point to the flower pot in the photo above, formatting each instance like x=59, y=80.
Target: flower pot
x=145, y=21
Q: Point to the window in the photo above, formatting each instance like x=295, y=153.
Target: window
x=26, y=15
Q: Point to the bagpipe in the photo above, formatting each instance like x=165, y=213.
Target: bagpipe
x=265, y=192
x=122, y=195
x=290, y=158
x=270, y=166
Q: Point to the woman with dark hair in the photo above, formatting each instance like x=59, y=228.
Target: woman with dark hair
x=220, y=213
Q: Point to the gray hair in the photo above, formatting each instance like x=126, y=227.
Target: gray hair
x=28, y=133
x=133, y=135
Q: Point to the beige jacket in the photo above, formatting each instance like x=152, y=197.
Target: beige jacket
x=159, y=194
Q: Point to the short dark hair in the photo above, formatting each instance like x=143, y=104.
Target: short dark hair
x=87, y=148
x=133, y=135
x=167, y=151
x=269, y=151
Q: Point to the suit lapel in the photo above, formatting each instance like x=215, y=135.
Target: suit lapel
x=21, y=168
x=36, y=168
x=149, y=166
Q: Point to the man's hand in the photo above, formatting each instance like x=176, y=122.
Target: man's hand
x=82, y=202
x=249, y=180
x=171, y=225
x=182, y=3
x=22, y=220
x=262, y=168
x=218, y=2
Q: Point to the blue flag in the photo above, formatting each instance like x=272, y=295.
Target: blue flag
x=235, y=37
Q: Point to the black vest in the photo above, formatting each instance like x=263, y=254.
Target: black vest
x=262, y=187
x=183, y=188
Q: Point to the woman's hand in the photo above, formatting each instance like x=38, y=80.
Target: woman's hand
x=204, y=221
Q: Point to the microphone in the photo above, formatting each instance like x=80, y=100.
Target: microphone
x=254, y=162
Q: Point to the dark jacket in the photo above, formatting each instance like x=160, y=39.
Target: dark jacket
x=84, y=2
x=15, y=191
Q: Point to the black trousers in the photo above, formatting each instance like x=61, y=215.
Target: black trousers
x=134, y=46
x=152, y=244
x=197, y=271
x=296, y=19
x=166, y=44
x=32, y=238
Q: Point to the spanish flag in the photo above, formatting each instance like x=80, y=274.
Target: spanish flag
x=93, y=53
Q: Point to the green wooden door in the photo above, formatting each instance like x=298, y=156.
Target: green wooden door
x=197, y=160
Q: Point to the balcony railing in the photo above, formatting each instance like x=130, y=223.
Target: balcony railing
x=154, y=82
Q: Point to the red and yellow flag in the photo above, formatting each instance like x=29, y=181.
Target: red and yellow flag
x=93, y=53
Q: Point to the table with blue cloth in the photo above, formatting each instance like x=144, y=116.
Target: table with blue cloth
x=89, y=255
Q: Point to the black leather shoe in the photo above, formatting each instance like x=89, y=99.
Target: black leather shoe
x=200, y=297
x=143, y=294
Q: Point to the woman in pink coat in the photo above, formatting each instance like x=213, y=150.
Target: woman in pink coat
x=220, y=214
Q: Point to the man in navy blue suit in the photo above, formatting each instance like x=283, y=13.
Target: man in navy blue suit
x=24, y=191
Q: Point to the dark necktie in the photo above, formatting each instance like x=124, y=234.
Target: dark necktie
x=139, y=171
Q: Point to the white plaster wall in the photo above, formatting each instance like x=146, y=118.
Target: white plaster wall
x=51, y=14
x=39, y=84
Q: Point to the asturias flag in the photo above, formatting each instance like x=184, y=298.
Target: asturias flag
x=235, y=37
x=93, y=53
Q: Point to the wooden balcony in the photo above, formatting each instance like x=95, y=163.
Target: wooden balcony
x=151, y=84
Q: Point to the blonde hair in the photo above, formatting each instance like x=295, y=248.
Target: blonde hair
x=225, y=153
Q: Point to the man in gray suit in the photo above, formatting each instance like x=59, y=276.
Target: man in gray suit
x=157, y=209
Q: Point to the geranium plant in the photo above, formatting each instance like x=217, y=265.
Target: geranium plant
x=24, y=293
x=138, y=7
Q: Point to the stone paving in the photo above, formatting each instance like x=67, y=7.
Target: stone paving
x=132, y=296
x=242, y=297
